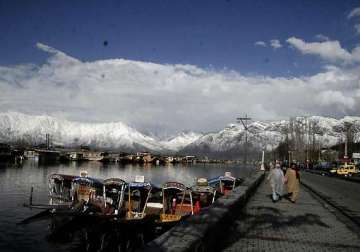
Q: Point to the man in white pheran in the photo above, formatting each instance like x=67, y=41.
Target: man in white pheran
x=276, y=179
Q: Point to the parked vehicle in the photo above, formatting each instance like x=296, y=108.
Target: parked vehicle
x=347, y=169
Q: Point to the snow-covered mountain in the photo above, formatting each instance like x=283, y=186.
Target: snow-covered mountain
x=229, y=142
x=33, y=129
x=181, y=140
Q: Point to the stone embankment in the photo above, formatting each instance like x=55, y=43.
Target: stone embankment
x=202, y=232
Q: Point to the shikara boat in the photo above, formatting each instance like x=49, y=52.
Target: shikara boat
x=203, y=195
x=60, y=193
x=60, y=189
x=88, y=195
x=60, y=198
x=177, y=202
x=114, y=193
x=137, y=195
x=224, y=184
x=69, y=195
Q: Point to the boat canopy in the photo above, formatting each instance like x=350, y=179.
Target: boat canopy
x=139, y=185
x=88, y=181
x=62, y=177
x=221, y=178
x=114, y=181
x=174, y=185
x=202, y=189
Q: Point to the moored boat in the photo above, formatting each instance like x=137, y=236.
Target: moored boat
x=203, y=195
x=177, y=202
x=224, y=184
x=137, y=196
x=114, y=193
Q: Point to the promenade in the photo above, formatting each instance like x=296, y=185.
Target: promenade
x=308, y=225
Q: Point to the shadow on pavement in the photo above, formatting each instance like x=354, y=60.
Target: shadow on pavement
x=265, y=217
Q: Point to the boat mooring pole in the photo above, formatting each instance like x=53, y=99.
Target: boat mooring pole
x=31, y=195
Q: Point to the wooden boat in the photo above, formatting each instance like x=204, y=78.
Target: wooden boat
x=224, y=184
x=60, y=189
x=137, y=195
x=69, y=195
x=88, y=195
x=176, y=202
x=114, y=193
x=203, y=195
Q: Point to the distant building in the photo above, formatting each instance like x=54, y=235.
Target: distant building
x=144, y=157
x=190, y=159
x=76, y=156
x=169, y=159
x=31, y=154
x=92, y=155
x=48, y=155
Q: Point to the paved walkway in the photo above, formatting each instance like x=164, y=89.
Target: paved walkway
x=284, y=226
x=341, y=193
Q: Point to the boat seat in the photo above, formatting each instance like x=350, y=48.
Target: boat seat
x=227, y=191
x=134, y=205
x=83, y=193
x=183, y=209
x=154, y=208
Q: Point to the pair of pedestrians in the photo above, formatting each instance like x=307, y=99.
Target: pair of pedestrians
x=278, y=180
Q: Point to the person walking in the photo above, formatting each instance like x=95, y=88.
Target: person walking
x=292, y=180
x=276, y=179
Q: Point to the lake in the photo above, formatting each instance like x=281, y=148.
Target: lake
x=16, y=181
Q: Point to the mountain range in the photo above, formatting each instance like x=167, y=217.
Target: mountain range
x=229, y=142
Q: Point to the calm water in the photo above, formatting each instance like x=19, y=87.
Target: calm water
x=16, y=181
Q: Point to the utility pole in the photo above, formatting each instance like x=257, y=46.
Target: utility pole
x=307, y=141
x=348, y=127
x=244, y=121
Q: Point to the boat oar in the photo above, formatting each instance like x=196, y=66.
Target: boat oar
x=39, y=216
x=50, y=207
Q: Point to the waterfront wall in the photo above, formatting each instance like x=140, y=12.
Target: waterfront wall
x=202, y=232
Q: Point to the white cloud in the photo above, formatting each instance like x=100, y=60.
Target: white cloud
x=275, y=43
x=337, y=98
x=260, y=43
x=354, y=13
x=357, y=28
x=328, y=50
x=322, y=37
x=156, y=97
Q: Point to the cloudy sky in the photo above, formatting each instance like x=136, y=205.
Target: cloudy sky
x=167, y=66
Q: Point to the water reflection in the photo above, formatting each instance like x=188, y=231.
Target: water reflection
x=88, y=235
x=15, y=183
